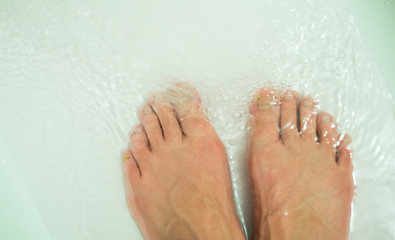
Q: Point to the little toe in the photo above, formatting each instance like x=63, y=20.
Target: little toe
x=139, y=144
x=308, y=114
x=265, y=119
x=327, y=131
x=151, y=125
x=344, y=163
x=289, y=127
x=186, y=102
x=344, y=151
x=168, y=120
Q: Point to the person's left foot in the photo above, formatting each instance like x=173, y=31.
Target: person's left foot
x=176, y=172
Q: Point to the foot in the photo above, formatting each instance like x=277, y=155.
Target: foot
x=177, y=176
x=301, y=179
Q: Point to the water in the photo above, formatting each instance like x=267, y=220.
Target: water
x=72, y=75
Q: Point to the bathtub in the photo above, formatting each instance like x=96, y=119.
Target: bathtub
x=68, y=96
x=374, y=19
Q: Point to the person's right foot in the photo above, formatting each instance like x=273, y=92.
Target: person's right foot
x=302, y=184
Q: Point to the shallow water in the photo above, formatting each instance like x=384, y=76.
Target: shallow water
x=73, y=74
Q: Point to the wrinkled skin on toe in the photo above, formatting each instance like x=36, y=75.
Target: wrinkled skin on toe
x=300, y=170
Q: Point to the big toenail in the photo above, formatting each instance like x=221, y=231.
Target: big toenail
x=326, y=119
x=289, y=96
x=185, y=99
x=265, y=102
x=308, y=102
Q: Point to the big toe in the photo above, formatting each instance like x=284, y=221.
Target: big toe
x=265, y=111
x=186, y=102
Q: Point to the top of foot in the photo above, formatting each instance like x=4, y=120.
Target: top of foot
x=300, y=169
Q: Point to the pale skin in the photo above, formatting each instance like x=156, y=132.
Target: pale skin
x=178, y=183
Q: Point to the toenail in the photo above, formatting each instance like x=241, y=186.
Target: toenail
x=308, y=102
x=137, y=131
x=289, y=96
x=347, y=141
x=125, y=158
x=326, y=119
x=186, y=99
x=147, y=110
x=265, y=102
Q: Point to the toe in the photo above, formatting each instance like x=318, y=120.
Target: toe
x=130, y=167
x=151, y=125
x=289, y=127
x=327, y=131
x=168, y=120
x=139, y=144
x=186, y=102
x=265, y=111
x=308, y=114
x=344, y=151
x=344, y=163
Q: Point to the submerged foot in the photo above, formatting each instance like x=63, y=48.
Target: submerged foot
x=301, y=178
x=177, y=177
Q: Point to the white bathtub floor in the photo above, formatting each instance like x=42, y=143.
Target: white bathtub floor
x=73, y=73
x=20, y=218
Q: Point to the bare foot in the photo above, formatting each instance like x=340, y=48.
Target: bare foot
x=302, y=184
x=177, y=177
